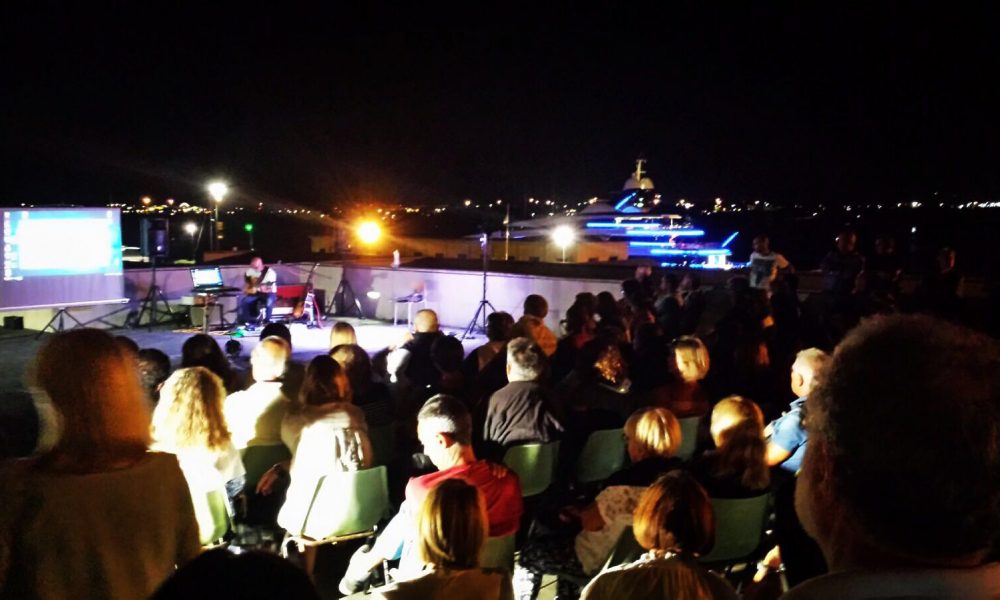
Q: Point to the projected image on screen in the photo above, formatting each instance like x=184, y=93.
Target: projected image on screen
x=61, y=257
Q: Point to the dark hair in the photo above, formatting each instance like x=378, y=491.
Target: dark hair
x=447, y=354
x=319, y=385
x=576, y=317
x=356, y=363
x=154, y=368
x=253, y=575
x=279, y=330
x=234, y=348
x=675, y=508
x=450, y=416
x=909, y=409
x=498, y=326
x=536, y=306
x=128, y=345
x=588, y=300
x=201, y=350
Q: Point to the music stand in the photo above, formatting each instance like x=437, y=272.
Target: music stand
x=483, y=303
x=150, y=303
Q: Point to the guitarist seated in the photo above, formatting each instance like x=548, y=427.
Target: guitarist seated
x=258, y=292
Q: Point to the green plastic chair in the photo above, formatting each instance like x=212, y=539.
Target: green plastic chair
x=212, y=514
x=347, y=505
x=535, y=465
x=739, y=528
x=258, y=459
x=602, y=456
x=627, y=550
x=383, y=440
x=498, y=553
x=689, y=437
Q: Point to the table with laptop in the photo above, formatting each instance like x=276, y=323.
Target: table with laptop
x=208, y=286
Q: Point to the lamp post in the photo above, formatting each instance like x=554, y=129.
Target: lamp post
x=217, y=190
x=563, y=236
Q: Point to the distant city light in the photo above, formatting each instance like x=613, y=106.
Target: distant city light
x=147, y=200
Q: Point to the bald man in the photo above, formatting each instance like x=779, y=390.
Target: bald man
x=254, y=415
x=421, y=370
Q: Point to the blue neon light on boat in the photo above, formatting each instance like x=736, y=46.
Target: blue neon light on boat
x=682, y=252
x=624, y=201
x=730, y=238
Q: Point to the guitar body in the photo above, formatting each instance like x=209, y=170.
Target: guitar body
x=306, y=306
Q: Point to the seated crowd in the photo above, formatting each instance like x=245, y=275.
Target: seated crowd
x=876, y=465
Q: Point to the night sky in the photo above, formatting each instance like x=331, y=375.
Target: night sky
x=308, y=107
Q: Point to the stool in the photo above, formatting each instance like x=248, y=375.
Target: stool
x=210, y=301
x=409, y=301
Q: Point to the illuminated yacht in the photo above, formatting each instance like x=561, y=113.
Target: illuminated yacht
x=634, y=215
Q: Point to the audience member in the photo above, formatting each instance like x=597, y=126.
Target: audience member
x=653, y=439
x=787, y=434
x=444, y=428
x=451, y=530
x=668, y=306
x=943, y=288
x=295, y=372
x=342, y=333
x=684, y=396
x=609, y=315
x=674, y=523
x=371, y=396
x=498, y=328
x=419, y=369
x=253, y=575
x=128, y=345
x=255, y=414
x=97, y=516
x=580, y=328
x=766, y=263
x=842, y=265
x=201, y=350
x=188, y=423
x=736, y=467
x=447, y=354
x=520, y=412
x=895, y=515
x=692, y=304
x=532, y=324
x=154, y=368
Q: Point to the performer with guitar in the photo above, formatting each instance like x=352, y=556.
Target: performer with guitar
x=259, y=291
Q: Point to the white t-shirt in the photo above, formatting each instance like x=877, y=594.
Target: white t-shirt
x=616, y=505
x=764, y=268
x=254, y=415
x=270, y=277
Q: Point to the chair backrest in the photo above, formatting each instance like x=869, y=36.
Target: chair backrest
x=383, y=439
x=258, y=459
x=739, y=527
x=212, y=514
x=535, y=465
x=602, y=456
x=689, y=437
x=498, y=553
x=346, y=503
x=626, y=550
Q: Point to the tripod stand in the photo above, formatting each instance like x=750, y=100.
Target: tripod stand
x=481, y=311
x=344, y=290
x=60, y=326
x=150, y=303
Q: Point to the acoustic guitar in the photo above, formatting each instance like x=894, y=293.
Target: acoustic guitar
x=306, y=306
x=253, y=285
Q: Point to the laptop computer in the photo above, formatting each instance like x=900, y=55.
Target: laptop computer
x=208, y=279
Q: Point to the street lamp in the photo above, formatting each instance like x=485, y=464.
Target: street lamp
x=217, y=190
x=563, y=236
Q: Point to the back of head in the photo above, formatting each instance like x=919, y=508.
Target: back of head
x=447, y=414
x=452, y=525
x=587, y=300
x=356, y=363
x=809, y=363
x=128, y=345
x=342, y=333
x=94, y=386
x=536, y=306
x=252, y=575
x=653, y=432
x=277, y=330
x=447, y=354
x=525, y=360
x=675, y=514
x=268, y=358
x=201, y=350
x=325, y=381
x=577, y=318
x=738, y=431
x=425, y=321
x=606, y=305
x=190, y=413
x=154, y=368
x=907, y=418
x=498, y=326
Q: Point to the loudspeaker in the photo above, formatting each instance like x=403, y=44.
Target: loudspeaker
x=13, y=323
x=155, y=237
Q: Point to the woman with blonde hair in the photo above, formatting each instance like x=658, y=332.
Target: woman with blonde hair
x=653, y=437
x=97, y=515
x=342, y=333
x=674, y=523
x=451, y=531
x=684, y=396
x=737, y=467
x=188, y=422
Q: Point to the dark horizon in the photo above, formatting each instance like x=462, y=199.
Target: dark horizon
x=793, y=104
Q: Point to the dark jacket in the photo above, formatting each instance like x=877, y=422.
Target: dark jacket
x=519, y=413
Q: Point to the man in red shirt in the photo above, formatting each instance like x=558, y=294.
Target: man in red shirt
x=444, y=427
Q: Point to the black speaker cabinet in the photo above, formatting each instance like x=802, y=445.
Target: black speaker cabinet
x=13, y=323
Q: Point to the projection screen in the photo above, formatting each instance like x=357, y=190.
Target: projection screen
x=58, y=257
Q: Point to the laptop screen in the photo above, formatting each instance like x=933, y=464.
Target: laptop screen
x=206, y=276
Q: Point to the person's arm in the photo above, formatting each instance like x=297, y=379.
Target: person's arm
x=266, y=482
x=776, y=454
x=387, y=546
